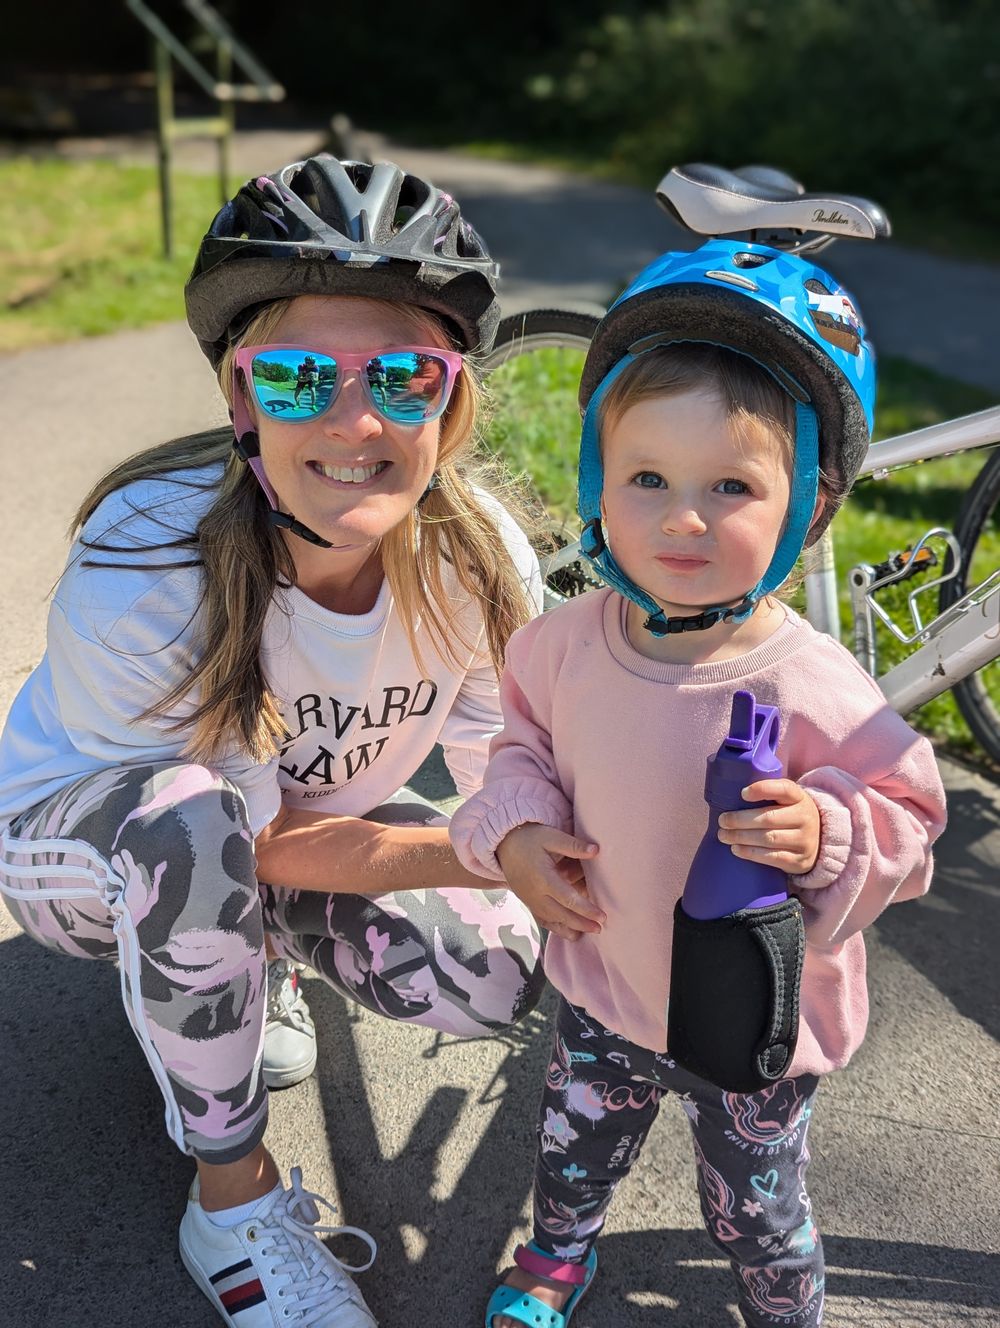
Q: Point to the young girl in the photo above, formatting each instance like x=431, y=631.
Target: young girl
x=722, y=430
x=250, y=652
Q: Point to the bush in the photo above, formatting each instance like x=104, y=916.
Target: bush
x=898, y=100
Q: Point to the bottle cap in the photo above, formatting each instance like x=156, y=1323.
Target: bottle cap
x=748, y=753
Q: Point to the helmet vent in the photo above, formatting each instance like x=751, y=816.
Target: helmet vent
x=733, y=279
x=750, y=260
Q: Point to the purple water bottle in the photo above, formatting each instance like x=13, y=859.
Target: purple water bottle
x=719, y=882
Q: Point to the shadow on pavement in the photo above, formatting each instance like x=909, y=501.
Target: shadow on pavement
x=960, y=917
x=93, y=1190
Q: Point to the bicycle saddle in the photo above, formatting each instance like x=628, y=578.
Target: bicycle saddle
x=713, y=201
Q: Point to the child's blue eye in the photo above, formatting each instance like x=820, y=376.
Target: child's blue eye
x=733, y=487
x=648, y=479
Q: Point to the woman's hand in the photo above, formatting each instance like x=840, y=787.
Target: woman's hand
x=543, y=867
x=785, y=836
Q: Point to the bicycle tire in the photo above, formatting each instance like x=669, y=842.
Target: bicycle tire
x=534, y=328
x=978, y=696
x=532, y=376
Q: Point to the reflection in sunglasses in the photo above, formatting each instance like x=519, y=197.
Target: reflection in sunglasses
x=407, y=386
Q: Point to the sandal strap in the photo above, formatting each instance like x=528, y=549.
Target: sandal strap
x=556, y=1270
x=525, y=1308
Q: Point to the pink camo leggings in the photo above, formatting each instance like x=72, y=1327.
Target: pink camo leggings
x=154, y=866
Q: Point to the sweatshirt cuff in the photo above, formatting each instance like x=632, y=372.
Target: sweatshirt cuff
x=480, y=826
x=834, y=842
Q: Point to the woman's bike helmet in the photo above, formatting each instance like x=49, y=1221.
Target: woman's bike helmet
x=326, y=227
x=794, y=320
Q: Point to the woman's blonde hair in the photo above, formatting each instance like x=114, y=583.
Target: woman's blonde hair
x=243, y=557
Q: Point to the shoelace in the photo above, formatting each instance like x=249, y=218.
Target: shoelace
x=281, y=999
x=292, y=1230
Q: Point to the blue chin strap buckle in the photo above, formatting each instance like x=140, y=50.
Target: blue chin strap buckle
x=801, y=504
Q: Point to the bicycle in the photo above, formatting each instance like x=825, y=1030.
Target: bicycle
x=534, y=370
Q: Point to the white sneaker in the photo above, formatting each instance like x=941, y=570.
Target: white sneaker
x=272, y=1270
x=289, y=1034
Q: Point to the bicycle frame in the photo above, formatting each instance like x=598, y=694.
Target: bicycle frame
x=958, y=642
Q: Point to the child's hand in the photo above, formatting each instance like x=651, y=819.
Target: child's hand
x=543, y=868
x=785, y=836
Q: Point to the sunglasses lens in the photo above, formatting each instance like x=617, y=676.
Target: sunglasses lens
x=408, y=386
x=292, y=384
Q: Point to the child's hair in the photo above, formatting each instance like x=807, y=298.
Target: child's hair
x=755, y=405
x=244, y=558
x=761, y=414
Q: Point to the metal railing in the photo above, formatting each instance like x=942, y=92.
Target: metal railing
x=230, y=53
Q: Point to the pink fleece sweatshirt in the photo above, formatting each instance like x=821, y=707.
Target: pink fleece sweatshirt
x=611, y=746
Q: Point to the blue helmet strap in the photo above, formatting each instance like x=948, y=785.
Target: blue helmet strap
x=802, y=502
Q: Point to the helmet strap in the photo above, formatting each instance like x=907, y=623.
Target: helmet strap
x=287, y=522
x=246, y=445
x=433, y=483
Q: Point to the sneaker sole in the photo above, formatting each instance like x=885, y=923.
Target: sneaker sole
x=294, y=1075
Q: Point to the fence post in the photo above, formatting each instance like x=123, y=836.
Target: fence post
x=227, y=112
x=164, y=125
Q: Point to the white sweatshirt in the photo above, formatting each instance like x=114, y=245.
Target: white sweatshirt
x=362, y=716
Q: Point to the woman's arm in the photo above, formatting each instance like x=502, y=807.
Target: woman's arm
x=344, y=855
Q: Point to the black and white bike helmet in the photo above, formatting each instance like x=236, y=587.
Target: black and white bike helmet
x=327, y=227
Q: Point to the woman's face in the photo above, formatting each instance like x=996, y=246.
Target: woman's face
x=350, y=475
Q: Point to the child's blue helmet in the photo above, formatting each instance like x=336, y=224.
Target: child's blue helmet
x=781, y=311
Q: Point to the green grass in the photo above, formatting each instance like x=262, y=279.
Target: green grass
x=535, y=427
x=82, y=257
x=82, y=248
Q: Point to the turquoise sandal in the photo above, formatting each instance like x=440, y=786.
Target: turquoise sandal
x=528, y=1309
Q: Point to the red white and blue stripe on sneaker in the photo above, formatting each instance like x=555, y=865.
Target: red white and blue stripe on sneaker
x=238, y=1287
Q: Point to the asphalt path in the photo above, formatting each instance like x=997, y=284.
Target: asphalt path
x=425, y=1141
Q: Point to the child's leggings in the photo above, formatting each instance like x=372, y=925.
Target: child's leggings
x=154, y=866
x=601, y=1096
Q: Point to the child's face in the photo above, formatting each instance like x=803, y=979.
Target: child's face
x=692, y=514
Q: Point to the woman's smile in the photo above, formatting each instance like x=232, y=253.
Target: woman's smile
x=348, y=476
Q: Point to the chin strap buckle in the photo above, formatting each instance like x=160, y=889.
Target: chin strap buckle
x=661, y=626
x=287, y=522
x=246, y=446
x=592, y=543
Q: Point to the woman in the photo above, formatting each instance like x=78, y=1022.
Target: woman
x=254, y=646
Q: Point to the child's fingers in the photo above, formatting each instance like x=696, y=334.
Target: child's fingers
x=784, y=791
x=763, y=836
x=571, y=871
x=579, y=907
x=563, y=930
x=568, y=846
x=786, y=817
x=794, y=862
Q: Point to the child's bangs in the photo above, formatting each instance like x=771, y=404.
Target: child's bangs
x=762, y=413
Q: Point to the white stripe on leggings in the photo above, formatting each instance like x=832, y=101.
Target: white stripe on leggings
x=108, y=887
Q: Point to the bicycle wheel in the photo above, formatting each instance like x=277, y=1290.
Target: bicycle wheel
x=978, y=532
x=532, y=378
